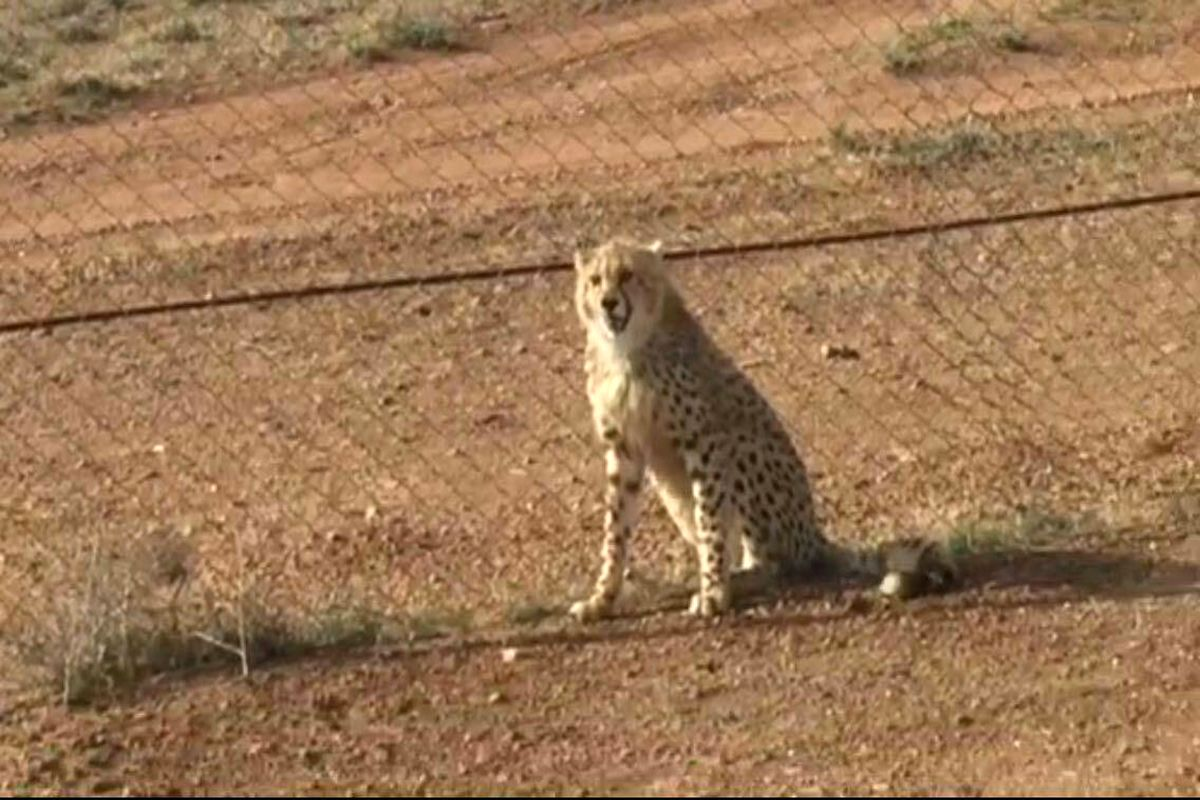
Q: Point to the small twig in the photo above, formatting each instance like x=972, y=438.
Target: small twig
x=241, y=604
x=751, y=363
x=228, y=648
x=242, y=640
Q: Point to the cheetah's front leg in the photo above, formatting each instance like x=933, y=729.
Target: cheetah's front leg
x=714, y=595
x=625, y=472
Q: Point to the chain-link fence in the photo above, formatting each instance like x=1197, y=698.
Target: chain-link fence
x=289, y=355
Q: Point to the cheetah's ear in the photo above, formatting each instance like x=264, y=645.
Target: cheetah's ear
x=583, y=247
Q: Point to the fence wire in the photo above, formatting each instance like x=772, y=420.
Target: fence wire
x=955, y=243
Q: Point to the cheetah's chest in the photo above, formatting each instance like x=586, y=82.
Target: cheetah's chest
x=620, y=403
x=624, y=403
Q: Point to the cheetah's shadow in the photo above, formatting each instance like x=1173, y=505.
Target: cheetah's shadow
x=1002, y=577
x=1008, y=578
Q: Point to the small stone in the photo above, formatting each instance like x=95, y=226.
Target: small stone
x=843, y=352
x=100, y=756
x=893, y=585
x=858, y=604
x=105, y=786
x=508, y=655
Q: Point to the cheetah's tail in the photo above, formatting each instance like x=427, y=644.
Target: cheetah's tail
x=906, y=567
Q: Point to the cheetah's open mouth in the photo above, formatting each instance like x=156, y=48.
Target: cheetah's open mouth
x=617, y=318
x=617, y=310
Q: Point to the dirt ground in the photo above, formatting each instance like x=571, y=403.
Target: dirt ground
x=424, y=454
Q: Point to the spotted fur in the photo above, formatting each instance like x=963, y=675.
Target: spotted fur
x=669, y=404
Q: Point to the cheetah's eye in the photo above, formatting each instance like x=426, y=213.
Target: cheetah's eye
x=594, y=280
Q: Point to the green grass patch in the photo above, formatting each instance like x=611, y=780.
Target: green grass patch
x=1022, y=531
x=81, y=31
x=969, y=142
x=1013, y=39
x=384, y=39
x=913, y=50
x=1122, y=11
x=920, y=150
x=13, y=70
x=130, y=49
x=180, y=30
x=951, y=40
x=89, y=95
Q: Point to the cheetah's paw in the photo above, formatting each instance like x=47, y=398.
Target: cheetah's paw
x=712, y=604
x=588, y=610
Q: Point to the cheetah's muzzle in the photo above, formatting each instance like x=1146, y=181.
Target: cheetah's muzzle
x=616, y=314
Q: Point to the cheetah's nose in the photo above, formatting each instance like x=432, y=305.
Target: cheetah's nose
x=610, y=304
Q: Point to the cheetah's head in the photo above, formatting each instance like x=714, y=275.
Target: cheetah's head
x=619, y=290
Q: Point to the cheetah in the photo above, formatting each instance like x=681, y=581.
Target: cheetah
x=668, y=404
